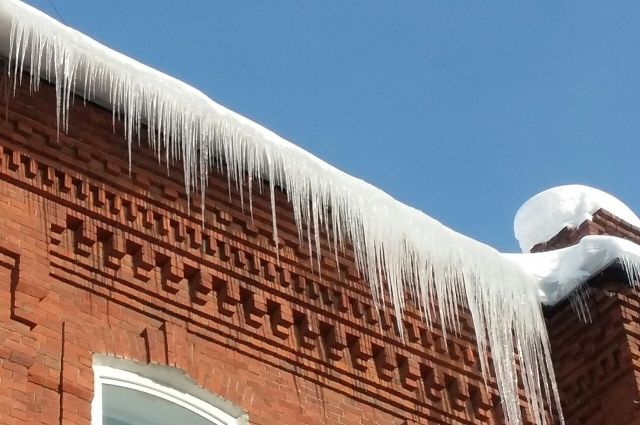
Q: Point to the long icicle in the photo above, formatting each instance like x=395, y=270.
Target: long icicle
x=400, y=251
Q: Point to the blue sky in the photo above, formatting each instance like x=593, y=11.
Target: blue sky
x=463, y=109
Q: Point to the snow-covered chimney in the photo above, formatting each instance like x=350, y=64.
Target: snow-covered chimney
x=563, y=215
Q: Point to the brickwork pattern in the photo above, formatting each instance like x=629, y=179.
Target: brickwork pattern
x=597, y=364
x=95, y=259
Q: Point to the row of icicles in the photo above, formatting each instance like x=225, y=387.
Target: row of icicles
x=401, y=252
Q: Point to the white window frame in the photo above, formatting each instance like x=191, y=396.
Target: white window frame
x=178, y=394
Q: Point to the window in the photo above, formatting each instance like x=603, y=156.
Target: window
x=128, y=393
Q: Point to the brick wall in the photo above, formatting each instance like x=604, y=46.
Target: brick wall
x=597, y=364
x=96, y=260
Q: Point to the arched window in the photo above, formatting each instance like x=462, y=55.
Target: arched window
x=128, y=393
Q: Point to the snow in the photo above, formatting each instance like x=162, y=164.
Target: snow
x=400, y=251
x=560, y=272
x=545, y=214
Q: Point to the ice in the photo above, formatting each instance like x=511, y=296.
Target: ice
x=400, y=251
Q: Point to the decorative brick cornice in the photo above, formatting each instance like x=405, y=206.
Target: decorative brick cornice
x=133, y=238
x=596, y=363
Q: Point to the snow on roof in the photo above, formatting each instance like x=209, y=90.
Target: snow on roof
x=547, y=213
x=560, y=272
x=399, y=249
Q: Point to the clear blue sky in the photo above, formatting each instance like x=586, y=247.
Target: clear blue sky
x=463, y=109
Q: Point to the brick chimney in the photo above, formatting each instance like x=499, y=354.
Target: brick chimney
x=602, y=223
x=597, y=364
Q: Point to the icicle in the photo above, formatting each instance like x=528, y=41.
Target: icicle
x=631, y=267
x=578, y=300
x=398, y=250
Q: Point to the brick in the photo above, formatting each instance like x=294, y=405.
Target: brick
x=136, y=275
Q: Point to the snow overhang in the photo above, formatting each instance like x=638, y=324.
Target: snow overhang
x=560, y=272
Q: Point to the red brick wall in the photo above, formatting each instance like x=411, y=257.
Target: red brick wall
x=93, y=260
x=597, y=364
